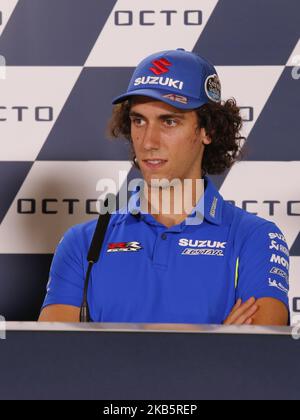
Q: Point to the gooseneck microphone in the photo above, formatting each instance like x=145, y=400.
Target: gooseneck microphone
x=93, y=256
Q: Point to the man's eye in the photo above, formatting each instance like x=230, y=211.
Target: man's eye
x=139, y=122
x=171, y=123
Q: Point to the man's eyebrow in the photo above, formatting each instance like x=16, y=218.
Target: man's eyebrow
x=172, y=115
x=135, y=114
x=162, y=116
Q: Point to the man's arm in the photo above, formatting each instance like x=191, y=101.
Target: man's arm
x=263, y=272
x=271, y=312
x=60, y=313
x=66, y=280
x=266, y=311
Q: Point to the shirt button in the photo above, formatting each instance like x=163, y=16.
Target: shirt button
x=164, y=236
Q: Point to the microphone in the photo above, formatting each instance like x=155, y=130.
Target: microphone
x=94, y=254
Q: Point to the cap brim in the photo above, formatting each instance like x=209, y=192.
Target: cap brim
x=177, y=101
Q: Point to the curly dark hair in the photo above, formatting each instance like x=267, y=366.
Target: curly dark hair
x=222, y=122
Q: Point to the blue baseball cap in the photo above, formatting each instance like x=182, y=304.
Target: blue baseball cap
x=179, y=78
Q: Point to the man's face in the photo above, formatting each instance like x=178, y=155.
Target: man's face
x=162, y=132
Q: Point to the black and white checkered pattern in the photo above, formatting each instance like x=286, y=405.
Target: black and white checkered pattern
x=66, y=60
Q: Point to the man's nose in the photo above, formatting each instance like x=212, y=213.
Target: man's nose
x=151, y=139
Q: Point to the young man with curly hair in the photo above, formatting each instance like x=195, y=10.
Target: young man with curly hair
x=211, y=263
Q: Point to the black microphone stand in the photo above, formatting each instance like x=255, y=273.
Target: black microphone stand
x=93, y=257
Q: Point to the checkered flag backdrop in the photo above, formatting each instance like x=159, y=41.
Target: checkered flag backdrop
x=62, y=62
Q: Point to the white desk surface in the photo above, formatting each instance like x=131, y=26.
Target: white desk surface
x=144, y=328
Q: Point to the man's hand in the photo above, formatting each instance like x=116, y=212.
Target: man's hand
x=242, y=313
x=60, y=313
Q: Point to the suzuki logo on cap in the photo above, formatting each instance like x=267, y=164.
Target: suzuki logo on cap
x=161, y=66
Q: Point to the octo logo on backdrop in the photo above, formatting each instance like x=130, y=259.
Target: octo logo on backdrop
x=154, y=17
x=22, y=112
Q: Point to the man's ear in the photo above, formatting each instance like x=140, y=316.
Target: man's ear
x=204, y=137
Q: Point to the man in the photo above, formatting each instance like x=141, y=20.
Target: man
x=211, y=263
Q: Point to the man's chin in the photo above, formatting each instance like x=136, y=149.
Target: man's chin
x=152, y=180
x=157, y=181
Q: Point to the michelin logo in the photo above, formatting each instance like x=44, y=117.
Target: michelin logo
x=274, y=283
x=162, y=81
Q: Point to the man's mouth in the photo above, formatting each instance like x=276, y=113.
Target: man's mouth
x=155, y=163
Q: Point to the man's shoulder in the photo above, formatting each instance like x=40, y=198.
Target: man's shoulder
x=87, y=229
x=77, y=237
x=246, y=223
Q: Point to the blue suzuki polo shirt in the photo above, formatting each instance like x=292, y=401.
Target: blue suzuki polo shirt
x=188, y=273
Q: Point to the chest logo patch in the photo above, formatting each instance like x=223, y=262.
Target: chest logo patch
x=208, y=247
x=124, y=247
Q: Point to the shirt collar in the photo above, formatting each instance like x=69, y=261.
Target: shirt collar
x=211, y=204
